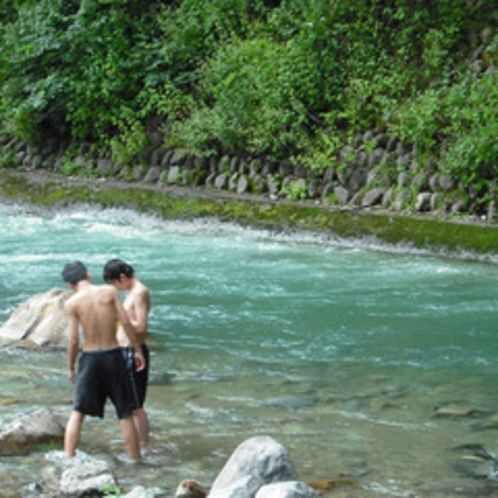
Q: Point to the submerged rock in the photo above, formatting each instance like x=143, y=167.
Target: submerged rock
x=457, y=487
x=456, y=409
x=291, y=402
x=489, y=423
x=474, y=460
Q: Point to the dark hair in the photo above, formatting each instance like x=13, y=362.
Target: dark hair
x=116, y=267
x=74, y=272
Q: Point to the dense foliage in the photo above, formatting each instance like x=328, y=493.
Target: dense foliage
x=273, y=78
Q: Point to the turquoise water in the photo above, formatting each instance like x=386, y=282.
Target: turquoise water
x=343, y=352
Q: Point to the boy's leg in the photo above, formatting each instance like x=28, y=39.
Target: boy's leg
x=130, y=438
x=72, y=433
x=141, y=422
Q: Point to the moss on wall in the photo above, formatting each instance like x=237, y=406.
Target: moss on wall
x=450, y=238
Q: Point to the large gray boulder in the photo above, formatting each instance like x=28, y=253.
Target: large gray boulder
x=39, y=321
x=255, y=462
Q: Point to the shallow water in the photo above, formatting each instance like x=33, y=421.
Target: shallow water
x=343, y=352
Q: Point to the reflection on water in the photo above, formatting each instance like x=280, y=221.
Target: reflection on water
x=342, y=353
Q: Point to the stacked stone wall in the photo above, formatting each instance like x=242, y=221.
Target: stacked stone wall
x=376, y=171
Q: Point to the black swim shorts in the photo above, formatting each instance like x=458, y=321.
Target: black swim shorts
x=102, y=374
x=138, y=379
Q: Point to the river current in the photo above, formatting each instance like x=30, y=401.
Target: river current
x=363, y=361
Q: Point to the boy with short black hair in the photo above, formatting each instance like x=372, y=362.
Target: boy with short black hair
x=137, y=305
x=101, y=367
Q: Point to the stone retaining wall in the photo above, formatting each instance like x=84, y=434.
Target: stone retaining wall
x=376, y=171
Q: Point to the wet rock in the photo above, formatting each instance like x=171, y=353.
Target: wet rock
x=41, y=320
x=475, y=449
x=255, y=462
x=32, y=490
x=289, y=489
x=335, y=482
x=21, y=435
x=456, y=409
x=190, y=489
x=86, y=476
x=472, y=466
x=473, y=460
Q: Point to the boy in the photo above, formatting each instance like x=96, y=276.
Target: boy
x=101, y=367
x=137, y=306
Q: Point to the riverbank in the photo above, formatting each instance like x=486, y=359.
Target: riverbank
x=461, y=238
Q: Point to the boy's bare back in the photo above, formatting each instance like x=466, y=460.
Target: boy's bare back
x=97, y=309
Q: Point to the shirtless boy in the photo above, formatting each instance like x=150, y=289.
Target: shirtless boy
x=137, y=306
x=101, y=366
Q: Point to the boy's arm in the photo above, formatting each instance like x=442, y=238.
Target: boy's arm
x=72, y=342
x=130, y=331
x=141, y=312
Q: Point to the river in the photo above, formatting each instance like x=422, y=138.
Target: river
x=345, y=352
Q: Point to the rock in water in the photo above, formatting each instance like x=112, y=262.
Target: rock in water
x=40, y=321
x=35, y=428
x=190, y=489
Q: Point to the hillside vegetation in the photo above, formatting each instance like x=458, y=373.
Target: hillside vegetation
x=280, y=80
